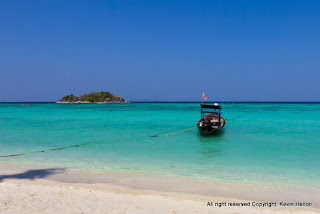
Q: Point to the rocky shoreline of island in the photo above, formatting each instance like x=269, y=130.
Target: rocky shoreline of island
x=92, y=98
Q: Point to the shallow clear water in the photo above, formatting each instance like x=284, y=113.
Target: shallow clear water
x=261, y=143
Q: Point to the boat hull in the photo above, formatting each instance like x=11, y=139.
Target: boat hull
x=210, y=128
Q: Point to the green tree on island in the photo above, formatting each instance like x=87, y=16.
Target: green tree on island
x=93, y=97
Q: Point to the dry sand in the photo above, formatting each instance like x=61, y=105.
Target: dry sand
x=35, y=190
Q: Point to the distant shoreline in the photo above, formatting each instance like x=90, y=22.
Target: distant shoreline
x=87, y=102
x=232, y=102
x=103, y=97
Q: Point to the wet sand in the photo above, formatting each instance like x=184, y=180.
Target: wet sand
x=35, y=189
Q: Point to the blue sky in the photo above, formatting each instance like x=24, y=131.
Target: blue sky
x=161, y=50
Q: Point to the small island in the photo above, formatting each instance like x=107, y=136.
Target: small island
x=94, y=97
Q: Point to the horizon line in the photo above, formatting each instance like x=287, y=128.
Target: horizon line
x=182, y=102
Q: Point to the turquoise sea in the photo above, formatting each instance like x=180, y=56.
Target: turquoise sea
x=269, y=143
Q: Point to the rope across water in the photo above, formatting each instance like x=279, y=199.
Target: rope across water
x=84, y=144
x=46, y=150
x=87, y=143
x=172, y=133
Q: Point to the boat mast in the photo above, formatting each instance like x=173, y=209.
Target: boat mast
x=201, y=101
x=201, y=96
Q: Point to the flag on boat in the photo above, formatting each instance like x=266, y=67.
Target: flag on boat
x=204, y=97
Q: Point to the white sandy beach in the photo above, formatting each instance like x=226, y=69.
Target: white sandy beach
x=25, y=190
x=53, y=197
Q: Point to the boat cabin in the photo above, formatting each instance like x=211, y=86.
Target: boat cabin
x=210, y=109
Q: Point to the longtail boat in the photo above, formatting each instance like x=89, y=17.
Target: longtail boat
x=211, y=119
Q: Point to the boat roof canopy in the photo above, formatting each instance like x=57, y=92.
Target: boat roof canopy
x=210, y=106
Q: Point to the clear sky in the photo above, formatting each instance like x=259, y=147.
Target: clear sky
x=166, y=50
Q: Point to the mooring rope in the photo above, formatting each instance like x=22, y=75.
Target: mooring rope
x=46, y=150
x=83, y=144
x=234, y=118
x=238, y=116
x=87, y=143
x=172, y=133
x=66, y=147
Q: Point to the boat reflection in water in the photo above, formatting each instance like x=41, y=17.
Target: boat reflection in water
x=211, y=146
